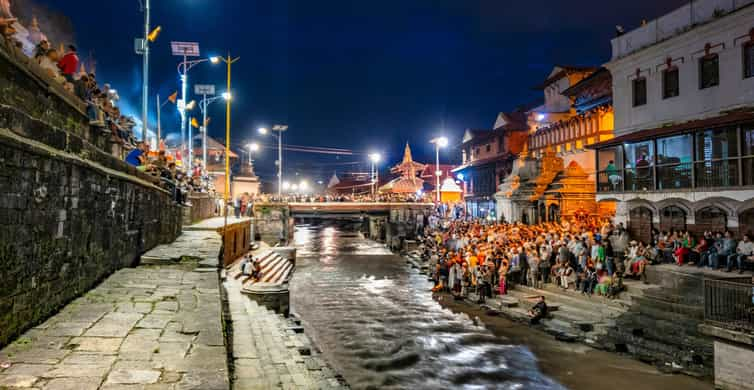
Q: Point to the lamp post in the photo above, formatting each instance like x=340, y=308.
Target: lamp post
x=205, y=90
x=145, y=78
x=280, y=129
x=440, y=142
x=375, y=158
x=186, y=50
x=253, y=147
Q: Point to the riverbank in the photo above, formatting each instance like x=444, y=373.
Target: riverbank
x=575, y=365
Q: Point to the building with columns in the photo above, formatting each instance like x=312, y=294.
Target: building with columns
x=683, y=92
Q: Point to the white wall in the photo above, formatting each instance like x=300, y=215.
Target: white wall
x=692, y=103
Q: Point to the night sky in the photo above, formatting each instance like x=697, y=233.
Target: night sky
x=361, y=75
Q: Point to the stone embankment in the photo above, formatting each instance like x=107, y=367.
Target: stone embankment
x=649, y=322
x=270, y=351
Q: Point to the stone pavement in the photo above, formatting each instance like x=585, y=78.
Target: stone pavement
x=272, y=352
x=145, y=328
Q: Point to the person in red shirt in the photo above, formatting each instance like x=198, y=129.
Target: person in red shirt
x=69, y=63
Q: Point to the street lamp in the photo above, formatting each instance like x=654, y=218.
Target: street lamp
x=375, y=158
x=440, y=142
x=186, y=50
x=280, y=129
x=253, y=147
x=205, y=90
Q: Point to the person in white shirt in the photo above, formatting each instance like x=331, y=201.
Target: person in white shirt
x=744, y=252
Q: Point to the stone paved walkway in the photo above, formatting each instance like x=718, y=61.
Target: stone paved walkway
x=270, y=352
x=145, y=328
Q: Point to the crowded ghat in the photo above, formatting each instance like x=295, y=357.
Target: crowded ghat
x=591, y=257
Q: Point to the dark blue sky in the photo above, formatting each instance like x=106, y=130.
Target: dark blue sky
x=362, y=75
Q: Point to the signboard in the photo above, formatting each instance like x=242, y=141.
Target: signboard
x=204, y=89
x=188, y=49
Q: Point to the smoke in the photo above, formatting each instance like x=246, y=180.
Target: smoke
x=56, y=25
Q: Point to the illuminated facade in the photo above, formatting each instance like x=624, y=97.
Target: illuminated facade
x=554, y=178
x=683, y=155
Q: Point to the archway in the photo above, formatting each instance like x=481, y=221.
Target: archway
x=640, y=224
x=553, y=213
x=711, y=218
x=672, y=218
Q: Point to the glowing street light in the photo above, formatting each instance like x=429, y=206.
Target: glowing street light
x=227, y=96
x=440, y=142
x=253, y=147
x=280, y=129
x=375, y=158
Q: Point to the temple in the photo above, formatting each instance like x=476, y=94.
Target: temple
x=554, y=177
x=408, y=182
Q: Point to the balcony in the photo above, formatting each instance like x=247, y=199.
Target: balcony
x=708, y=174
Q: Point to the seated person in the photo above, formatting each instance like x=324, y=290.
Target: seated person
x=538, y=312
x=138, y=157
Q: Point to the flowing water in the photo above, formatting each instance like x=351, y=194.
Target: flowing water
x=377, y=324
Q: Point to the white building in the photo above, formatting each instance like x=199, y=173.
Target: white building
x=683, y=95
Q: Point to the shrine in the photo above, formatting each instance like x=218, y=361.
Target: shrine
x=408, y=182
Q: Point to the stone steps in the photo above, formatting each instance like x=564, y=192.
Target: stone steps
x=271, y=351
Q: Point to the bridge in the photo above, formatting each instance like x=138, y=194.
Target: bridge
x=352, y=209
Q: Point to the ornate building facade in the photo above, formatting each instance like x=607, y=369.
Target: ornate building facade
x=554, y=177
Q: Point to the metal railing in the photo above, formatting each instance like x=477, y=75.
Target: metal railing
x=674, y=176
x=728, y=303
x=639, y=179
x=716, y=173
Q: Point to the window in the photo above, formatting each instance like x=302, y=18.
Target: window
x=670, y=83
x=640, y=91
x=674, y=150
x=489, y=148
x=709, y=71
x=749, y=60
x=715, y=144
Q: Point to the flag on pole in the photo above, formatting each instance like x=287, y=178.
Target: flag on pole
x=194, y=123
x=173, y=97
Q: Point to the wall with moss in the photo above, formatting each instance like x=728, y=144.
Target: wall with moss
x=70, y=212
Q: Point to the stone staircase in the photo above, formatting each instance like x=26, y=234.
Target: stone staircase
x=572, y=316
x=271, y=351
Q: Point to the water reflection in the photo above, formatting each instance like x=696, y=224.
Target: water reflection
x=378, y=325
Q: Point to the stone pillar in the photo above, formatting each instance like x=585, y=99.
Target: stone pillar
x=273, y=222
x=621, y=213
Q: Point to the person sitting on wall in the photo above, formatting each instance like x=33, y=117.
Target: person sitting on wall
x=744, y=252
x=612, y=174
x=69, y=63
x=137, y=156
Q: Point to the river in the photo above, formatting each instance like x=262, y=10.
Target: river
x=378, y=324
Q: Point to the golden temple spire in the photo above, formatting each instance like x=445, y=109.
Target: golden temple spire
x=407, y=154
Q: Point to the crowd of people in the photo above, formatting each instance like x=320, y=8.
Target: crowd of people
x=334, y=197
x=714, y=250
x=591, y=257
x=176, y=180
x=63, y=66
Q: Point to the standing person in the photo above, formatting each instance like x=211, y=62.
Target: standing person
x=69, y=63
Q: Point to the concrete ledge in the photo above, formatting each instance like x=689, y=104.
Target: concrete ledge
x=734, y=336
x=275, y=297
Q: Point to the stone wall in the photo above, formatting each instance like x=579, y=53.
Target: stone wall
x=203, y=206
x=71, y=213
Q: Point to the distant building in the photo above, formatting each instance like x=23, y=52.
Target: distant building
x=408, y=181
x=554, y=177
x=683, y=152
x=215, y=161
x=486, y=159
